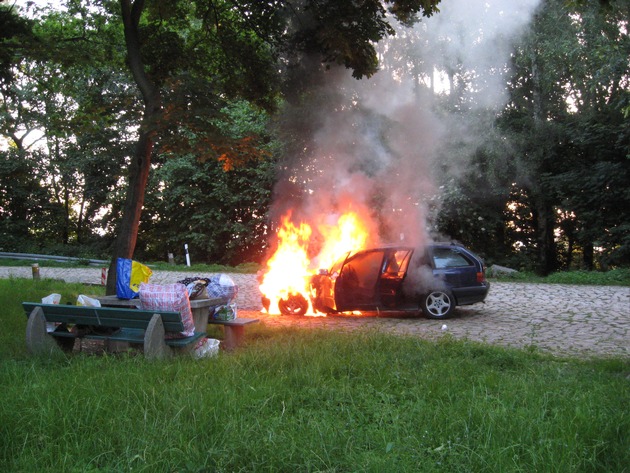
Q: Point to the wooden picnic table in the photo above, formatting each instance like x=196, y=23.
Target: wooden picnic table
x=233, y=330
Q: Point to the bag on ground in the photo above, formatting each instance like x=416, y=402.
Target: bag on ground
x=208, y=347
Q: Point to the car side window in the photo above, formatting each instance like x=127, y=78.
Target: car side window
x=397, y=262
x=447, y=258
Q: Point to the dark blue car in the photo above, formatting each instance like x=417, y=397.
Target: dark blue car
x=433, y=280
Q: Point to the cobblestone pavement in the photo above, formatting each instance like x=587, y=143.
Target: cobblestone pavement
x=553, y=318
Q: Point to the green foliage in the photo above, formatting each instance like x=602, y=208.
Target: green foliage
x=569, y=136
x=15, y=35
x=220, y=213
x=79, y=108
x=312, y=400
x=614, y=277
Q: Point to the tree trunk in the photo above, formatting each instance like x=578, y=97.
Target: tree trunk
x=141, y=161
x=545, y=225
x=570, y=242
x=588, y=256
x=547, y=261
x=65, y=234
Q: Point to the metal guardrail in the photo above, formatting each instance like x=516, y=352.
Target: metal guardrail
x=60, y=259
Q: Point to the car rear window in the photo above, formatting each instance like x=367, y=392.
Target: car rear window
x=447, y=258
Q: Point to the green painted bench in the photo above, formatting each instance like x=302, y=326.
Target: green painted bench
x=127, y=326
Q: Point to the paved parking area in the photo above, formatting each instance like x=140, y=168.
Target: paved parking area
x=558, y=319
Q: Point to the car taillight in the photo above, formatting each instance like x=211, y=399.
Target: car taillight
x=481, y=277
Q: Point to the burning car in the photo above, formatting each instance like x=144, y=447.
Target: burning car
x=434, y=280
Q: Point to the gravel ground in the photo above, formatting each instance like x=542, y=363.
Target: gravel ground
x=554, y=318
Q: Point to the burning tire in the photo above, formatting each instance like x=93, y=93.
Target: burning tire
x=438, y=305
x=295, y=304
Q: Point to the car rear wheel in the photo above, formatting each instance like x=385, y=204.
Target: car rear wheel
x=295, y=304
x=438, y=305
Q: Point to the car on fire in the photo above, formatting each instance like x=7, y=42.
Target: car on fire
x=433, y=280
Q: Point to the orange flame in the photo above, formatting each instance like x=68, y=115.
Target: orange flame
x=289, y=269
x=348, y=235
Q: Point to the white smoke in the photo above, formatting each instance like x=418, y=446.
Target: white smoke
x=478, y=36
x=378, y=140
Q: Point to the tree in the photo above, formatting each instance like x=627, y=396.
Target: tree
x=593, y=187
x=15, y=34
x=220, y=213
x=248, y=35
x=567, y=126
x=76, y=110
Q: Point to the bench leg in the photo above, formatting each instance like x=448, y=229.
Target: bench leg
x=234, y=335
x=154, y=345
x=38, y=341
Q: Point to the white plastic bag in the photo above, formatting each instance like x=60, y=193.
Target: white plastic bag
x=51, y=299
x=88, y=301
x=207, y=348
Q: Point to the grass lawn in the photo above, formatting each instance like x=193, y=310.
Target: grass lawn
x=296, y=400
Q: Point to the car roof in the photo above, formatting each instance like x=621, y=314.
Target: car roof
x=394, y=246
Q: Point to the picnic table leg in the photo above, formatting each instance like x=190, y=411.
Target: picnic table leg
x=154, y=345
x=200, y=317
x=234, y=335
x=38, y=341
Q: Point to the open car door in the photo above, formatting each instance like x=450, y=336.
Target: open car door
x=392, y=276
x=356, y=288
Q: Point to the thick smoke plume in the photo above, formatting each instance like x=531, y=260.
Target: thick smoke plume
x=374, y=146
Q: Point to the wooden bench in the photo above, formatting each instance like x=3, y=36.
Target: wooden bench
x=233, y=331
x=145, y=327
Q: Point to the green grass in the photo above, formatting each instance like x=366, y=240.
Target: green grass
x=308, y=400
x=614, y=277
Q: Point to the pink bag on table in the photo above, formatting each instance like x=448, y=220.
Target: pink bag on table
x=171, y=297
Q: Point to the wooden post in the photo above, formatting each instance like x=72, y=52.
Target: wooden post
x=35, y=269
